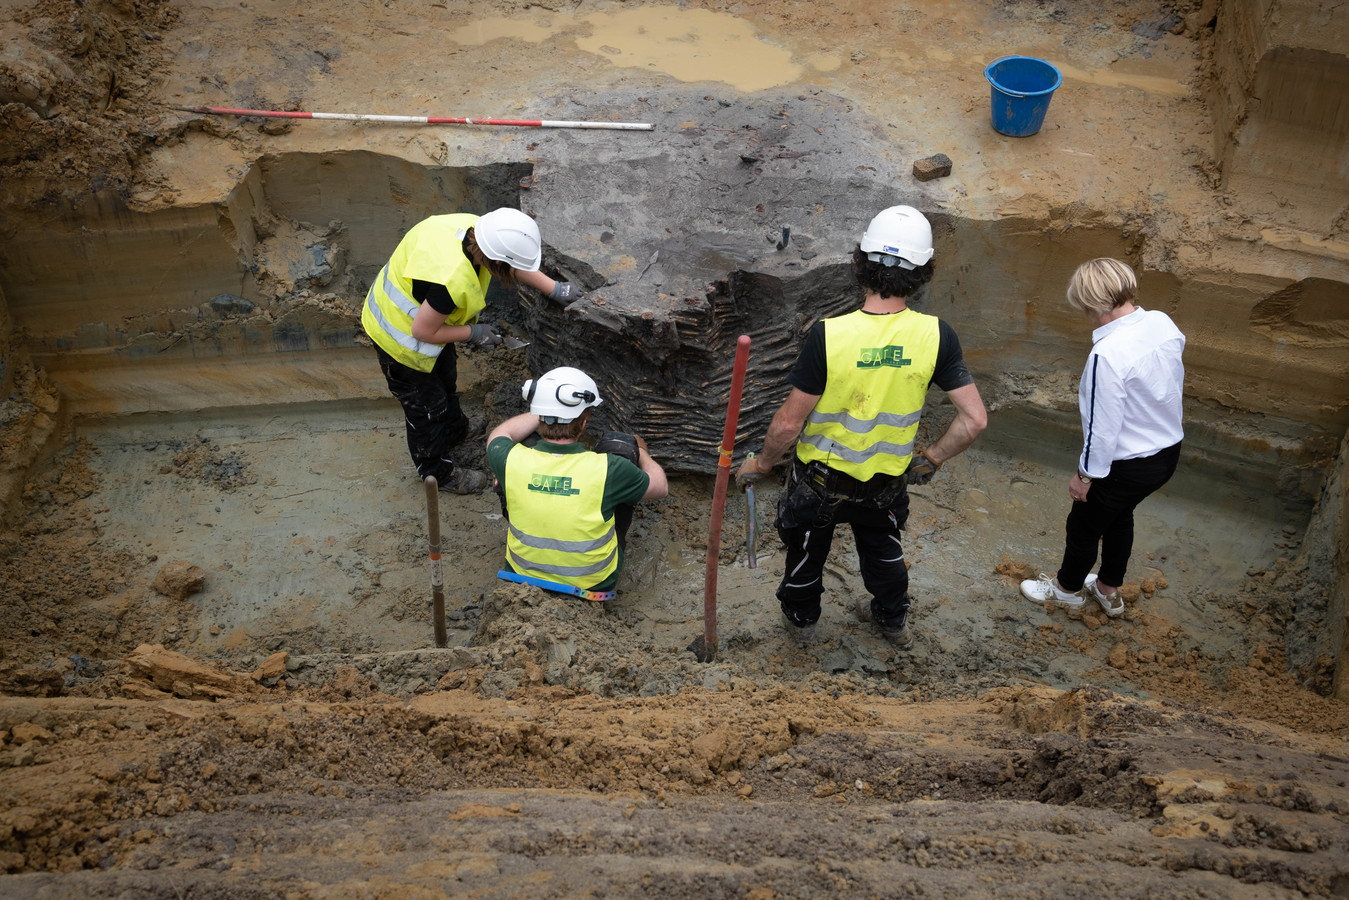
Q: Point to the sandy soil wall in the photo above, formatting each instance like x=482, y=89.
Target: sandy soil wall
x=219, y=303
x=1281, y=123
x=31, y=413
x=230, y=278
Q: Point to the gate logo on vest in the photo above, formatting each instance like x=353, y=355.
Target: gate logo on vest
x=875, y=357
x=552, y=484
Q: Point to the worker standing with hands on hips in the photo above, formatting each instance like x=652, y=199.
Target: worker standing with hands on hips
x=425, y=300
x=568, y=508
x=1130, y=398
x=858, y=389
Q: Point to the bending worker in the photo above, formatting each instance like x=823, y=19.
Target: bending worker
x=425, y=300
x=568, y=508
x=857, y=394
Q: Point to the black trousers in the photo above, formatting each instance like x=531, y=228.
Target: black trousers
x=1106, y=518
x=806, y=521
x=431, y=411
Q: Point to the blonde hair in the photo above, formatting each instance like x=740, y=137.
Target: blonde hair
x=1102, y=285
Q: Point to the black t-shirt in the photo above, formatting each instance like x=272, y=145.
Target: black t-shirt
x=812, y=368
x=435, y=294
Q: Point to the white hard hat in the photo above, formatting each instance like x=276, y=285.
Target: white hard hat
x=901, y=236
x=510, y=236
x=561, y=395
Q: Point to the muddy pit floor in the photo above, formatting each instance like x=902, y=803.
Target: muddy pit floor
x=290, y=730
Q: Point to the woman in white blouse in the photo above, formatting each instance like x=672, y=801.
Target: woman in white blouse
x=1130, y=399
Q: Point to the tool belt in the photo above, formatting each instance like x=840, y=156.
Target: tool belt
x=814, y=492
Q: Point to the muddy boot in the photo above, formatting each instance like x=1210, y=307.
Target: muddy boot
x=467, y=428
x=802, y=634
x=465, y=481
x=896, y=634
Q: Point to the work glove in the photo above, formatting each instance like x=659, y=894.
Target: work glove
x=921, y=469
x=565, y=293
x=748, y=474
x=483, y=336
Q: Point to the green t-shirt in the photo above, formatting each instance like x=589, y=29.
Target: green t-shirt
x=625, y=484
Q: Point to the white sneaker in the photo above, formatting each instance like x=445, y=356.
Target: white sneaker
x=1045, y=589
x=1113, y=604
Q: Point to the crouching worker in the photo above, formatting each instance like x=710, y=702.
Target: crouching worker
x=568, y=508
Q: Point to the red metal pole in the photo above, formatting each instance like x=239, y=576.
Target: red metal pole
x=719, y=500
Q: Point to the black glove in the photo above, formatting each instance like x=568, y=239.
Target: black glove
x=921, y=469
x=483, y=336
x=565, y=293
x=619, y=444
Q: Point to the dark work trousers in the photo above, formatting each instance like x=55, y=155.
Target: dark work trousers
x=431, y=412
x=622, y=522
x=1106, y=518
x=806, y=528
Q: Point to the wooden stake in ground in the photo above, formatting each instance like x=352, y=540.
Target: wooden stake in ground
x=437, y=576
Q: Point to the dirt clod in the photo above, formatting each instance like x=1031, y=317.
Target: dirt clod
x=179, y=580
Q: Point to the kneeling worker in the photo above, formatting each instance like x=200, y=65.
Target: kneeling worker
x=568, y=508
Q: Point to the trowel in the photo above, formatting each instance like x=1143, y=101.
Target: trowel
x=513, y=343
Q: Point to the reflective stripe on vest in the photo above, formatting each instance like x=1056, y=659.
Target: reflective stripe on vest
x=879, y=368
x=386, y=329
x=431, y=251
x=557, y=527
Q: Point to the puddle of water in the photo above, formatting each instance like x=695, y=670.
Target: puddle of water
x=687, y=44
x=1152, y=84
x=824, y=62
x=691, y=45
x=481, y=31
x=1111, y=78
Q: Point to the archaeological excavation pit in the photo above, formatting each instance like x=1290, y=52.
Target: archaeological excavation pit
x=232, y=417
x=206, y=498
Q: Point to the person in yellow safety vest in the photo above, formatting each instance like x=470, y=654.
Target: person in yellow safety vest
x=568, y=508
x=425, y=300
x=857, y=396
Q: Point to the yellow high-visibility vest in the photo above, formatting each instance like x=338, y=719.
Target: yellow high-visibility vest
x=433, y=250
x=557, y=529
x=879, y=368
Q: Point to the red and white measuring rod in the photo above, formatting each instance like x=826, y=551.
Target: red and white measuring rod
x=415, y=120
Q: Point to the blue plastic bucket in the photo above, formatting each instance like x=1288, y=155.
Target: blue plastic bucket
x=1022, y=87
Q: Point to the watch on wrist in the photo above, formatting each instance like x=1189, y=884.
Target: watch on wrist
x=1083, y=477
